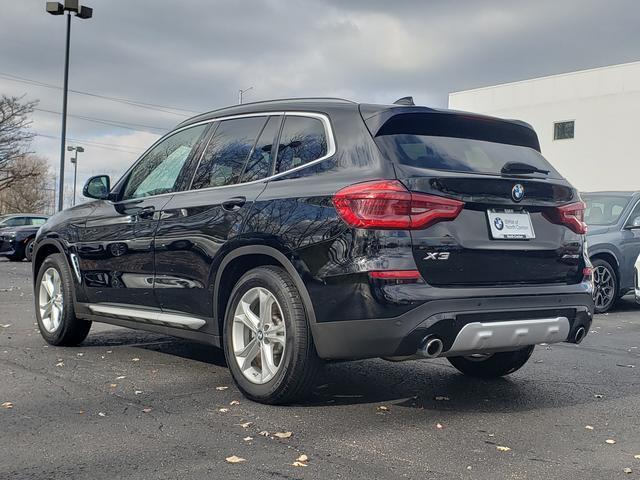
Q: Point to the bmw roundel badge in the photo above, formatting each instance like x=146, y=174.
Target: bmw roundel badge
x=499, y=224
x=517, y=192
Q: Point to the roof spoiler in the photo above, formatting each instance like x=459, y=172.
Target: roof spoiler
x=404, y=101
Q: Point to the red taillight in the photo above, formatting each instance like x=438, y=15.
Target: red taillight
x=387, y=204
x=571, y=215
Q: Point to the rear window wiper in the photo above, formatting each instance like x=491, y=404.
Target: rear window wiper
x=519, y=168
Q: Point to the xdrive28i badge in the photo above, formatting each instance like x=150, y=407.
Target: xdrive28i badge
x=517, y=192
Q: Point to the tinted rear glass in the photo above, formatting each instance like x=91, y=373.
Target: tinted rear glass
x=604, y=209
x=459, y=143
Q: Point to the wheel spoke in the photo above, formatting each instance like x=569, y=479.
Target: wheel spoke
x=48, y=285
x=269, y=367
x=250, y=355
x=250, y=319
x=266, y=306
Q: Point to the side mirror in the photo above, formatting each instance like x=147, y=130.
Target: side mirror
x=635, y=223
x=97, y=187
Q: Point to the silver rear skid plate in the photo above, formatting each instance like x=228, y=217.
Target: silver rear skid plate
x=479, y=337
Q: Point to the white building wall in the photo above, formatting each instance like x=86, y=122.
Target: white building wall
x=605, y=104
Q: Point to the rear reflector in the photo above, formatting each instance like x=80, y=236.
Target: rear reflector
x=387, y=204
x=396, y=275
x=571, y=215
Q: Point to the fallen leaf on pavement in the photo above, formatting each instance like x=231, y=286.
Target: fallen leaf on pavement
x=247, y=439
x=264, y=433
x=637, y=457
x=439, y=426
x=60, y=364
x=120, y=377
x=627, y=470
x=598, y=395
x=588, y=427
x=102, y=414
x=299, y=464
x=502, y=449
x=6, y=325
x=234, y=459
x=7, y=405
x=137, y=392
x=113, y=385
x=147, y=409
x=383, y=408
x=135, y=359
x=246, y=424
x=223, y=410
x=80, y=412
x=283, y=434
x=80, y=354
x=625, y=366
x=234, y=402
x=610, y=441
x=302, y=458
x=221, y=388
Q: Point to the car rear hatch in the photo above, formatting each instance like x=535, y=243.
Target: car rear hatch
x=519, y=221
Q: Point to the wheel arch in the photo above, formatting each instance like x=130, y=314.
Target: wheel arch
x=42, y=250
x=242, y=259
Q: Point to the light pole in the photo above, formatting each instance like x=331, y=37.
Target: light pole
x=56, y=8
x=242, y=92
x=74, y=160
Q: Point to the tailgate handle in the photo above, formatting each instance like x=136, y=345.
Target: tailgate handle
x=234, y=204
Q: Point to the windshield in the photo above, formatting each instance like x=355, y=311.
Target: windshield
x=604, y=209
x=459, y=154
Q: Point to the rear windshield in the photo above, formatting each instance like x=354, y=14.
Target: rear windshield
x=461, y=144
x=604, y=209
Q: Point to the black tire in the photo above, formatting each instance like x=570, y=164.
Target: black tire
x=611, y=291
x=493, y=366
x=72, y=331
x=28, y=249
x=299, y=364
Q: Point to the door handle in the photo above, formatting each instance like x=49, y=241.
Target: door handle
x=234, y=204
x=146, y=212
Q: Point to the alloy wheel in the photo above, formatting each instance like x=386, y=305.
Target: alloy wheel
x=51, y=300
x=604, y=287
x=258, y=335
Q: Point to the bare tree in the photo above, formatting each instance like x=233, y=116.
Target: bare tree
x=31, y=193
x=15, y=139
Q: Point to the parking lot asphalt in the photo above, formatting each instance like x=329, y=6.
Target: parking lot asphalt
x=131, y=404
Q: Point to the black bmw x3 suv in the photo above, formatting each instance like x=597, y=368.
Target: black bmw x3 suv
x=291, y=232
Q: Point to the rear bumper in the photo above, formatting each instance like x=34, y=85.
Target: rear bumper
x=472, y=324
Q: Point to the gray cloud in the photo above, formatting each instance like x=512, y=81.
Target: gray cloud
x=195, y=54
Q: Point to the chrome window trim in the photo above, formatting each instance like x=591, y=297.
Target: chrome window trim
x=331, y=150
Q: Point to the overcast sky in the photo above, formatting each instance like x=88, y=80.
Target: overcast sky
x=194, y=55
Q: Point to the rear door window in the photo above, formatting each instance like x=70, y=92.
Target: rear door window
x=303, y=140
x=38, y=221
x=226, y=154
x=259, y=164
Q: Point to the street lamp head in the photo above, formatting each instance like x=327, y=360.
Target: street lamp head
x=55, y=8
x=79, y=149
x=85, y=12
x=70, y=148
x=72, y=5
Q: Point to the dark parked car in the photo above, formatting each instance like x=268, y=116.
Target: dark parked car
x=16, y=242
x=614, y=243
x=288, y=232
x=20, y=220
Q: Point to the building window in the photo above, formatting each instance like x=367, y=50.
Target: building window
x=563, y=130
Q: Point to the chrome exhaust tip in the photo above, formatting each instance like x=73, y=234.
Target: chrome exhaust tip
x=431, y=347
x=580, y=334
